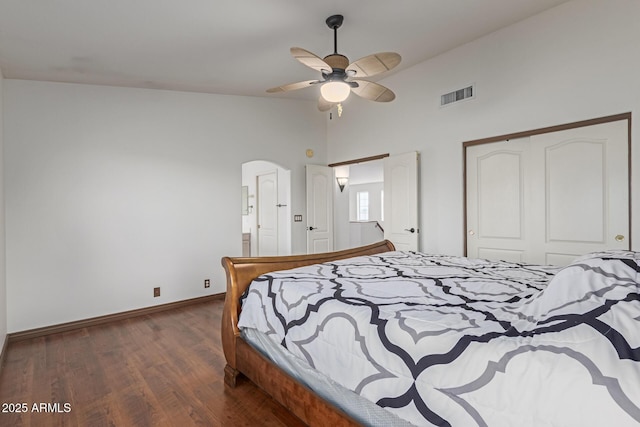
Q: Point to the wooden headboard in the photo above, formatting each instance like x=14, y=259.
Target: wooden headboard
x=242, y=270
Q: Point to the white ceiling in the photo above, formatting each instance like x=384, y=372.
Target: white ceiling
x=238, y=47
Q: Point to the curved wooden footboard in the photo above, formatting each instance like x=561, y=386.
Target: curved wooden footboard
x=241, y=358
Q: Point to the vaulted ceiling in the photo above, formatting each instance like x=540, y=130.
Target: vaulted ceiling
x=236, y=47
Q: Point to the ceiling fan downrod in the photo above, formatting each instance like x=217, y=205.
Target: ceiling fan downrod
x=334, y=22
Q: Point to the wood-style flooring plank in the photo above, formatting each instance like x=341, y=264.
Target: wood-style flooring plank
x=159, y=369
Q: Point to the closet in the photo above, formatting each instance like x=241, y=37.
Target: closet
x=549, y=196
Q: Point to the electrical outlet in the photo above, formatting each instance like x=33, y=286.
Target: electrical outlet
x=156, y=292
x=207, y=283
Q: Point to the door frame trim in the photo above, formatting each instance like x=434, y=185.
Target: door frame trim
x=549, y=129
x=361, y=160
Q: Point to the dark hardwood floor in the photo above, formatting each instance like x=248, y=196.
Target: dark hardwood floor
x=161, y=369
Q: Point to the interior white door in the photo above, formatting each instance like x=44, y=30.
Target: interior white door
x=549, y=198
x=583, y=205
x=319, y=208
x=498, y=206
x=267, y=214
x=401, y=201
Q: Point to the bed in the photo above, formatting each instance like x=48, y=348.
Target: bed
x=376, y=336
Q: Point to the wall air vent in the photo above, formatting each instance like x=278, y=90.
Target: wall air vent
x=457, y=95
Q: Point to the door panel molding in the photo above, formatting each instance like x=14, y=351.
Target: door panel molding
x=508, y=197
x=574, y=185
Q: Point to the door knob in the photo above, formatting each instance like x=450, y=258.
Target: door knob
x=619, y=238
x=410, y=230
x=310, y=228
x=471, y=232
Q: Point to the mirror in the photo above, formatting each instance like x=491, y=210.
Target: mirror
x=245, y=200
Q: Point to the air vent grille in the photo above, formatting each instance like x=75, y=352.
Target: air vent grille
x=457, y=95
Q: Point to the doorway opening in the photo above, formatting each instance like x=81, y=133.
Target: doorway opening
x=359, y=207
x=266, y=209
x=390, y=203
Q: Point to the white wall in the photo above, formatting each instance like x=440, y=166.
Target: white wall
x=575, y=62
x=113, y=191
x=3, y=281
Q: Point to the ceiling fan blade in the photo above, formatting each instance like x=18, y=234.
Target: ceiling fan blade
x=375, y=64
x=324, y=105
x=292, y=86
x=373, y=91
x=309, y=59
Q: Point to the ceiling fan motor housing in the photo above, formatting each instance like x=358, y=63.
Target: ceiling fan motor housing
x=337, y=61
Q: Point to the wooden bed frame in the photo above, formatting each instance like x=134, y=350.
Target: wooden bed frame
x=244, y=359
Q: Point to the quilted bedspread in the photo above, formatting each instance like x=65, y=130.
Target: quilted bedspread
x=451, y=341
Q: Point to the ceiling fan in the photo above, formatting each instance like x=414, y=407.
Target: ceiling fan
x=339, y=77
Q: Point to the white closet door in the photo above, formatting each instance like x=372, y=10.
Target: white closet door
x=549, y=198
x=582, y=202
x=497, y=203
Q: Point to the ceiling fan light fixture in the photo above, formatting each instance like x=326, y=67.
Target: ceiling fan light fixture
x=335, y=91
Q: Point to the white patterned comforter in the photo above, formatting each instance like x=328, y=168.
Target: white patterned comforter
x=450, y=341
